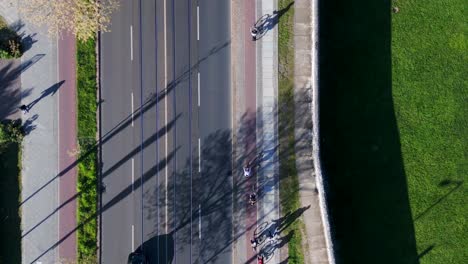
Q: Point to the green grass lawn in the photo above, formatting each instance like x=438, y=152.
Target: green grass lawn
x=87, y=172
x=289, y=182
x=10, y=221
x=394, y=129
x=430, y=93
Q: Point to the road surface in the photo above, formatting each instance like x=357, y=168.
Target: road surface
x=165, y=102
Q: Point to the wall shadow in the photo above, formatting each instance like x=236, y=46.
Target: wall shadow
x=10, y=219
x=361, y=153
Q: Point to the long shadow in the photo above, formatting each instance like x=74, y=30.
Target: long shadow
x=15, y=32
x=10, y=87
x=121, y=195
x=444, y=183
x=274, y=19
x=10, y=218
x=149, y=102
x=145, y=144
x=361, y=154
x=283, y=222
x=47, y=92
x=267, y=22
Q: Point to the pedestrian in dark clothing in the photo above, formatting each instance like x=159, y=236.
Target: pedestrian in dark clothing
x=24, y=108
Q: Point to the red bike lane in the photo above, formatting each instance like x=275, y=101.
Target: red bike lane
x=250, y=92
x=67, y=146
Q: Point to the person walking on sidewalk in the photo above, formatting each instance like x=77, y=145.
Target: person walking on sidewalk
x=24, y=108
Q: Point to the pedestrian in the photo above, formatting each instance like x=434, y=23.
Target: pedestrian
x=24, y=108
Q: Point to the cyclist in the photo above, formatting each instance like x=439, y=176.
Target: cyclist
x=254, y=32
x=247, y=171
x=252, y=199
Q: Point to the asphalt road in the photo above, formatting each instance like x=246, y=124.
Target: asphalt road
x=166, y=133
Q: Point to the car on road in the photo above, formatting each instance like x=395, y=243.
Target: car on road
x=137, y=257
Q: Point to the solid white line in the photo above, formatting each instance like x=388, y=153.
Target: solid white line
x=198, y=23
x=133, y=172
x=131, y=42
x=132, y=106
x=165, y=113
x=58, y=141
x=199, y=89
x=199, y=155
x=199, y=221
x=133, y=238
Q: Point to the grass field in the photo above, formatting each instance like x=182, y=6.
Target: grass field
x=430, y=93
x=10, y=221
x=289, y=182
x=394, y=129
x=87, y=173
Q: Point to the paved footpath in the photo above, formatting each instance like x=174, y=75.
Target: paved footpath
x=45, y=217
x=317, y=239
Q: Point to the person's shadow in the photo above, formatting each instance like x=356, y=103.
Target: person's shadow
x=29, y=125
x=268, y=22
x=274, y=19
x=285, y=221
x=49, y=91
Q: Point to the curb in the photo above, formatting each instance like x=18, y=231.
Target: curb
x=99, y=151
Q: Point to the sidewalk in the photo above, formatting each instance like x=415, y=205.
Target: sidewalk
x=39, y=192
x=267, y=131
x=41, y=195
x=306, y=134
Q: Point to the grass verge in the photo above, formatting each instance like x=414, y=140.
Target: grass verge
x=10, y=220
x=87, y=173
x=289, y=182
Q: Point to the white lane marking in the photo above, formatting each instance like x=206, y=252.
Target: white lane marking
x=133, y=238
x=133, y=173
x=58, y=138
x=199, y=155
x=198, y=23
x=199, y=221
x=131, y=95
x=198, y=88
x=131, y=42
x=165, y=113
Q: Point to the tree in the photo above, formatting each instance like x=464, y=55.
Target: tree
x=82, y=18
